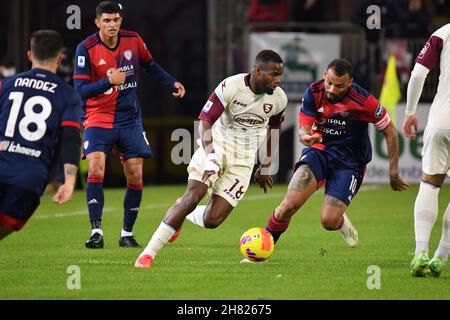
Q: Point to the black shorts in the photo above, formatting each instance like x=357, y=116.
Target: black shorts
x=17, y=205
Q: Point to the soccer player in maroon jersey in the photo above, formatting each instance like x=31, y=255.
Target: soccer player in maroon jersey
x=106, y=76
x=334, y=119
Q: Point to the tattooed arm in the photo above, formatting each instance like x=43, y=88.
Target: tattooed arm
x=70, y=154
x=306, y=138
x=397, y=182
x=65, y=191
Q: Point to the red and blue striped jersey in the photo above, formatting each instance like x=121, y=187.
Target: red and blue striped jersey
x=107, y=106
x=343, y=123
x=34, y=105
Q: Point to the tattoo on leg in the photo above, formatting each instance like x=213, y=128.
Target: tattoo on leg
x=332, y=201
x=301, y=179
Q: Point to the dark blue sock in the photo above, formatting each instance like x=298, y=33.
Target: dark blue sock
x=95, y=199
x=131, y=204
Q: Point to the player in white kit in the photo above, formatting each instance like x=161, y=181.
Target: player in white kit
x=435, y=152
x=241, y=113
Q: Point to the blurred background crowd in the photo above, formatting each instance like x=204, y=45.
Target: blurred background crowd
x=201, y=42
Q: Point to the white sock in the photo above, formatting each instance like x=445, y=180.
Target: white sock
x=444, y=245
x=159, y=239
x=425, y=214
x=96, y=231
x=196, y=216
x=124, y=233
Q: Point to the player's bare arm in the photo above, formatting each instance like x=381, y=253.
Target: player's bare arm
x=65, y=191
x=306, y=138
x=212, y=165
x=262, y=175
x=397, y=182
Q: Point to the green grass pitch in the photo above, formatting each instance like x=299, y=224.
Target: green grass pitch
x=307, y=263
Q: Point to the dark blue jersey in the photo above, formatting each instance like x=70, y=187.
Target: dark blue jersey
x=33, y=107
x=343, y=123
x=108, y=106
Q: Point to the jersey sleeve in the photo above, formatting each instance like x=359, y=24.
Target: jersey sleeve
x=308, y=110
x=82, y=75
x=217, y=103
x=278, y=118
x=72, y=110
x=431, y=52
x=144, y=54
x=82, y=68
x=375, y=112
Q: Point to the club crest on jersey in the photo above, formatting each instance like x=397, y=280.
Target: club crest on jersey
x=81, y=61
x=128, y=54
x=267, y=107
x=379, y=111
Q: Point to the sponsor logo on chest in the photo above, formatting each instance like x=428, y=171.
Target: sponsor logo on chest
x=249, y=119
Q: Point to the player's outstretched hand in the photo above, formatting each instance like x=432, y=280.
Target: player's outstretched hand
x=263, y=180
x=180, y=90
x=64, y=194
x=410, y=126
x=397, y=183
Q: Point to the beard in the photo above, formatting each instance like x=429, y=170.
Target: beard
x=269, y=91
x=331, y=96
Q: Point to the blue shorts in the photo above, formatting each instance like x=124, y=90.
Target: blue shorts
x=131, y=142
x=17, y=205
x=341, y=182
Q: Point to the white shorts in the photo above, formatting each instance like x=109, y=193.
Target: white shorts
x=436, y=151
x=234, y=179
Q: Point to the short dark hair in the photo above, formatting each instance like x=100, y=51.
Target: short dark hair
x=108, y=7
x=265, y=56
x=341, y=67
x=46, y=44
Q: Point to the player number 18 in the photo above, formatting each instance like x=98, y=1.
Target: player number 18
x=30, y=116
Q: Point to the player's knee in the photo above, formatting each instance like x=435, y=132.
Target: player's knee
x=212, y=222
x=330, y=223
x=134, y=177
x=96, y=170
